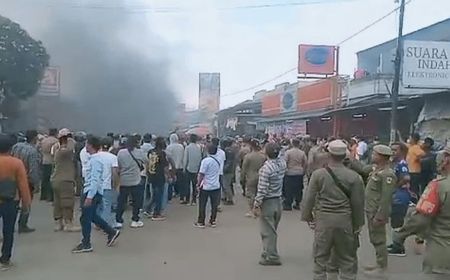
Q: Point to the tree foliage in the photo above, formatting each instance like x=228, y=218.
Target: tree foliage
x=22, y=61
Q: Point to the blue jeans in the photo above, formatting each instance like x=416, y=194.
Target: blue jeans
x=165, y=197
x=157, y=197
x=90, y=215
x=105, y=210
x=8, y=214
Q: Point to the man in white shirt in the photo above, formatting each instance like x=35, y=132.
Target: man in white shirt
x=110, y=182
x=176, y=152
x=209, y=185
x=361, y=150
x=84, y=159
x=221, y=157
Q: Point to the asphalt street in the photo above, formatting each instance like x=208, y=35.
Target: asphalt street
x=174, y=250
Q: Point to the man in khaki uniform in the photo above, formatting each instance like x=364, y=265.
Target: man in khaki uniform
x=249, y=173
x=243, y=151
x=435, y=228
x=334, y=208
x=317, y=158
x=378, y=197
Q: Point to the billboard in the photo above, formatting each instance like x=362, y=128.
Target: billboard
x=209, y=92
x=289, y=128
x=50, y=83
x=271, y=105
x=316, y=96
x=317, y=60
x=426, y=64
x=289, y=99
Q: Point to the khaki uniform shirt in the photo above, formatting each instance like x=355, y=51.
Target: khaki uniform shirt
x=436, y=231
x=46, y=147
x=379, y=190
x=250, y=169
x=325, y=198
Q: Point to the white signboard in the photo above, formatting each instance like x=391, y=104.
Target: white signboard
x=50, y=83
x=426, y=64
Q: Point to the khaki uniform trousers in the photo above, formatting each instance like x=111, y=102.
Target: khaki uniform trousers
x=64, y=200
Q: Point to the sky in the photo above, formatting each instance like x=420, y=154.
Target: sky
x=252, y=45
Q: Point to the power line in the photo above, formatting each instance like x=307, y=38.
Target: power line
x=262, y=83
x=372, y=24
x=277, y=5
x=175, y=9
x=340, y=43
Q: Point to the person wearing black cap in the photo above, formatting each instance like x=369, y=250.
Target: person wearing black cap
x=31, y=158
x=268, y=204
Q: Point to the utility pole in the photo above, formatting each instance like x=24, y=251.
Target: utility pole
x=398, y=65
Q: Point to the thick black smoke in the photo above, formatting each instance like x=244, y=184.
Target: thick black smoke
x=114, y=69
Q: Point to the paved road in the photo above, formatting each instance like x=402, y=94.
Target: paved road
x=174, y=249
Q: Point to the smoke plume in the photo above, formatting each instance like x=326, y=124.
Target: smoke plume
x=114, y=69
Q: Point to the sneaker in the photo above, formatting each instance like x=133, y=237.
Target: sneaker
x=212, y=224
x=4, y=266
x=390, y=246
x=370, y=267
x=112, y=238
x=118, y=226
x=147, y=214
x=269, y=262
x=58, y=226
x=378, y=273
x=228, y=203
x=81, y=248
x=184, y=202
x=296, y=207
x=199, y=225
x=158, y=218
x=26, y=229
x=193, y=204
x=249, y=214
x=219, y=209
x=397, y=251
x=137, y=224
x=70, y=227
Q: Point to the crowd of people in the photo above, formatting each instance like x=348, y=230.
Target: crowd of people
x=350, y=183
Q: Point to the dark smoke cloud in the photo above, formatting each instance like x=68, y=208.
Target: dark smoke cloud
x=114, y=68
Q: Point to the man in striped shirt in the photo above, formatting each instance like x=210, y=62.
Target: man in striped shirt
x=267, y=204
x=31, y=158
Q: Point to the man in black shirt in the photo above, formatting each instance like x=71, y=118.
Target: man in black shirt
x=428, y=162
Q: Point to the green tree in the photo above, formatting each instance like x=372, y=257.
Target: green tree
x=22, y=64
